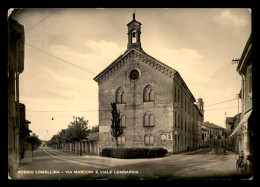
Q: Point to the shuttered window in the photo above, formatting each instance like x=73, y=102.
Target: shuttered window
x=148, y=139
x=122, y=122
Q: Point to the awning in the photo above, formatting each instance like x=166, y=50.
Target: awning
x=244, y=120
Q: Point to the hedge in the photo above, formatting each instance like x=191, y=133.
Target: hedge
x=134, y=152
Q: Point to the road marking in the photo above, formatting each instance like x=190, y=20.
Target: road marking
x=80, y=159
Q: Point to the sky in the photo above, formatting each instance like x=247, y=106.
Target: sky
x=66, y=48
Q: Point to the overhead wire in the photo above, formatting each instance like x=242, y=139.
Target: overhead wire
x=41, y=21
x=59, y=58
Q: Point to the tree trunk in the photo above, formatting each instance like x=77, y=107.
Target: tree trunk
x=80, y=148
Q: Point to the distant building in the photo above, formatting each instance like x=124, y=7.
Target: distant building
x=156, y=106
x=231, y=124
x=15, y=68
x=204, y=136
x=24, y=130
x=215, y=135
x=244, y=130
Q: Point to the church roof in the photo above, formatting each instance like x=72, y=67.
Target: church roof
x=145, y=58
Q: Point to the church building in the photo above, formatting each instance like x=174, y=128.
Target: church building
x=157, y=109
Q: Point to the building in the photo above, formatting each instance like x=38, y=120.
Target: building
x=24, y=131
x=231, y=124
x=215, y=135
x=15, y=67
x=244, y=130
x=204, y=136
x=156, y=107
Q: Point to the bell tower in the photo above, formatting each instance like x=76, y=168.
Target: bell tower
x=134, y=32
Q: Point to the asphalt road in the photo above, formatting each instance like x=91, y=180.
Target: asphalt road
x=48, y=163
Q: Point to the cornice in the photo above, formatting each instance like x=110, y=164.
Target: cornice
x=124, y=59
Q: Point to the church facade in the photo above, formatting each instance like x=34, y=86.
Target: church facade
x=156, y=107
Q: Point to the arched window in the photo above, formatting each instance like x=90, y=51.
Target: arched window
x=148, y=139
x=120, y=95
x=148, y=94
x=149, y=120
x=121, y=140
x=134, y=34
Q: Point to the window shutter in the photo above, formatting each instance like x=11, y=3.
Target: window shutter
x=151, y=95
x=123, y=97
x=123, y=121
x=151, y=139
x=123, y=140
x=146, y=120
x=146, y=139
x=146, y=95
x=118, y=97
x=151, y=122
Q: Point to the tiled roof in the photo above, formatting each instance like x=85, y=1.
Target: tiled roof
x=211, y=125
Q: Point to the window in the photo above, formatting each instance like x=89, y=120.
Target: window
x=149, y=119
x=185, y=125
x=120, y=95
x=122, y=122
x=134, y=75
x=179, y=121
x=178, y=95
x=175, y=139
x=148, y=94
x=182, y=122
x=175, y=119
x=175, y=94
x=121, y=140
x=181, y=100
x=185, y=104
x=148, y=139
x=134, y=32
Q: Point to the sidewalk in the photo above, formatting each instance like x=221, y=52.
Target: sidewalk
x=27, y=157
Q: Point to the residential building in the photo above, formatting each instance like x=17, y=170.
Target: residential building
x=231, y=124
x=157, y=109
x=216, y=135
x=244, y=130
x=15, y=67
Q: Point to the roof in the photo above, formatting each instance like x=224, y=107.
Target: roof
x=143, y=55
x=212, y=125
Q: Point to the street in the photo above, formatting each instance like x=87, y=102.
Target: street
x=48, y=163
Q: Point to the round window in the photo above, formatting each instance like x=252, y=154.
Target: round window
x=134, y=74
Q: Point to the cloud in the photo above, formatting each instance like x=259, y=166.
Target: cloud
x=227, y=18
x=187, y=62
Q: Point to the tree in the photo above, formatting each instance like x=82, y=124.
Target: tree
x=79, y=131
x=116, y=129
x=34, y=141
